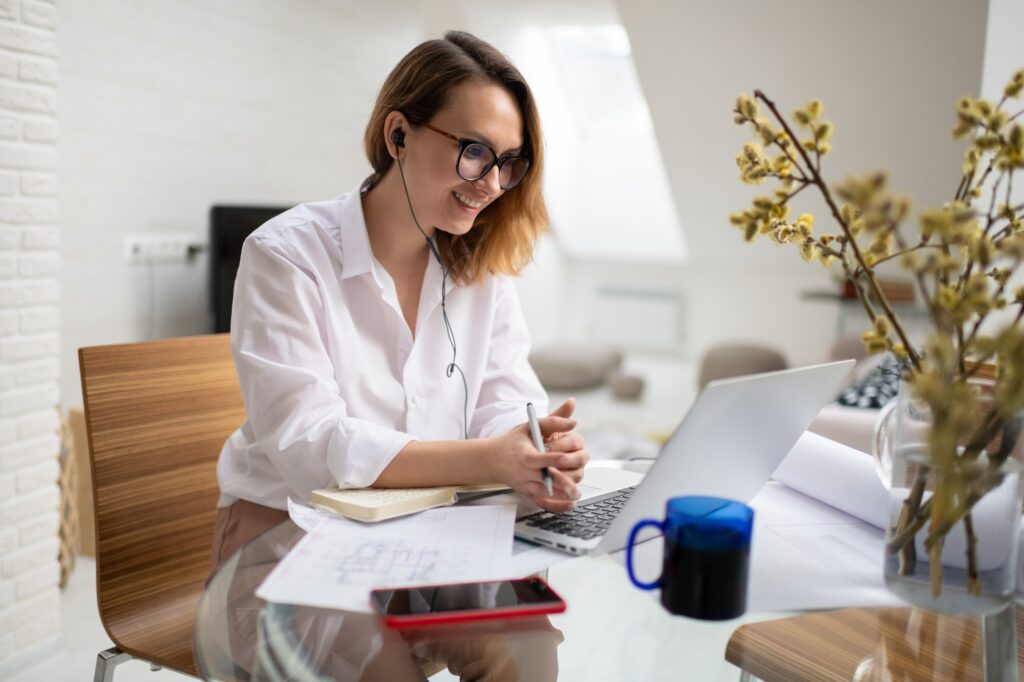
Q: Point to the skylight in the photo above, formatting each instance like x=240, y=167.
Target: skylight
x=606, y=186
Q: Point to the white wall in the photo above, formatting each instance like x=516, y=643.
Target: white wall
x=169, y=107
x=1004, y=55
x=166, y=109
x=29, y=265
x=889, y=74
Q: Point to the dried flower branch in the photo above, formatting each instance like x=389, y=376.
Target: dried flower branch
x=962, y=263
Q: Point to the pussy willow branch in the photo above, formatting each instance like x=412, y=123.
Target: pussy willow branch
x=817, y=179
x=803, y=185
x=933, y=310
x=1009, y=186
x=904, y=250
x=984, y=358
x=938, y=531
x=964, y=345
x=862, y=295
x=990, y=219
x=973, y=584
x=962, y=186
x=919, y=519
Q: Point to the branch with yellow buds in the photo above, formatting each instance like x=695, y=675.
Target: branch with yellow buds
x=962, y=264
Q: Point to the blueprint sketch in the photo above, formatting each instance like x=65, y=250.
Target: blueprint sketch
x=340, y=560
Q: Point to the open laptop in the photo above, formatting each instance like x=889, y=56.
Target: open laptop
x=728, y=444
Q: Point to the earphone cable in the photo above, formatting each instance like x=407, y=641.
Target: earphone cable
x=452, y=366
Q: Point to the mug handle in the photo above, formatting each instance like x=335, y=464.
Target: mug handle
x=629, y=553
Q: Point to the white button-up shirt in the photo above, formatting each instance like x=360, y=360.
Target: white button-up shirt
x=334, y=383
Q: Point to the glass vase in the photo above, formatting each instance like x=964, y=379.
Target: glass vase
x=953, y=535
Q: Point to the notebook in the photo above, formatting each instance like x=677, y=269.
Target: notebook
x=728, y=444
x=379, y=504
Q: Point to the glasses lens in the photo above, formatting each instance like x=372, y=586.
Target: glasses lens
x=474, y=162
x=512, y=171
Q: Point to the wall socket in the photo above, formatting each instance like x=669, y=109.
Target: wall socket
x=146, y=248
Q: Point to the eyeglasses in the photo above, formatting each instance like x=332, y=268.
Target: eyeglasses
x=476, y=160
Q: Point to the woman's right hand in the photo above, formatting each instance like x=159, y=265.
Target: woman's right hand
x=516, y=463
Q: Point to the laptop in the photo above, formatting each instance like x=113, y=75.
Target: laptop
x=729, y=443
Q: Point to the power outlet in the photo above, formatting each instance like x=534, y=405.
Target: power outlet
x=146, y=248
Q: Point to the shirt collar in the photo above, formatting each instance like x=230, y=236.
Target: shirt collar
x=357, y=257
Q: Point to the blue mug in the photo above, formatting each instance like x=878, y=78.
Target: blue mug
x=706, y=559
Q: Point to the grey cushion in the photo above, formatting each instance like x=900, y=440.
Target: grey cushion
x=572, y=368
x=738, y=359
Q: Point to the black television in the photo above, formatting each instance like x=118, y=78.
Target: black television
x=229, y=226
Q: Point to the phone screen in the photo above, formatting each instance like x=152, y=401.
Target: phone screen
x=527, y=593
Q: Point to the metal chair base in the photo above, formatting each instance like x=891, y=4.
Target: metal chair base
x=106, y=661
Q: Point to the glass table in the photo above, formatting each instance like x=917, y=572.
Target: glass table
x=610, y=631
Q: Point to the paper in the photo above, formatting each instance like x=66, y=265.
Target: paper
x=340, y=561
x=305, y=517
x=527, y=557
x=846, y=479
x=808, y=555
x=837, y=475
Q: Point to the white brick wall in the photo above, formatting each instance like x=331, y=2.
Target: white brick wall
x=29, y=341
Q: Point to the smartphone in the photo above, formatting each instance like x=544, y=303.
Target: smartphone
x=409, y=607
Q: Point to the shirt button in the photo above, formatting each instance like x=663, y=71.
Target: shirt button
x=416, y=400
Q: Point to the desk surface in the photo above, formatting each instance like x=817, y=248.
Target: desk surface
x=611, y=631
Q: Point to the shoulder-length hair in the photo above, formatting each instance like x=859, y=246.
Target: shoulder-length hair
x=504, y=234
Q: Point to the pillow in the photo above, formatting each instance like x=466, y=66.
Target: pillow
x=572, y=368
x=878, y=386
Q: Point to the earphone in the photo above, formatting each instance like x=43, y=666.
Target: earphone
x=398, y=139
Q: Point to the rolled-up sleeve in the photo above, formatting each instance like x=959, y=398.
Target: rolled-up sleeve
x=509, y=380
x=295, y=411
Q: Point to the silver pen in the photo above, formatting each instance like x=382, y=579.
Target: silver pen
x=538, y=442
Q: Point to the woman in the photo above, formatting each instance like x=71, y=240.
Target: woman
x=378, y=337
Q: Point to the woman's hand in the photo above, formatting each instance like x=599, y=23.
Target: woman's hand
x=517, y=464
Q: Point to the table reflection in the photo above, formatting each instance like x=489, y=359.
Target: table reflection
x=238, y=636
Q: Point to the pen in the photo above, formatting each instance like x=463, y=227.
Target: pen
x=538, y=442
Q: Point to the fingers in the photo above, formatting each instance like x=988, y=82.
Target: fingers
x=561, y=502
x=566, y=442
x=565, y=409
x=557, y=460
x=552, y=424
x=564, y=484
x=575, y=474
x=553, y=505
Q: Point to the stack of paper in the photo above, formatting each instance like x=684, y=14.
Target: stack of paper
x=339, y=561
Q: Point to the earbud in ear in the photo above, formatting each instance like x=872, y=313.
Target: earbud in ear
x=398, y=137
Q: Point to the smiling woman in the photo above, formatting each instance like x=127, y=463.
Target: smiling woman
x=474, y=89
x=378, y=337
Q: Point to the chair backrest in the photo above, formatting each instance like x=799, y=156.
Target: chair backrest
x=157, y=416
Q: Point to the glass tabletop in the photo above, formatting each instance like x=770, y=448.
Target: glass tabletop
x=610, y=631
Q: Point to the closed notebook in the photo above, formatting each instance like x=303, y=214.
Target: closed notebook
x=378, y=504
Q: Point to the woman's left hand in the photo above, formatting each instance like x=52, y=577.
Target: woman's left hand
x=572, y=444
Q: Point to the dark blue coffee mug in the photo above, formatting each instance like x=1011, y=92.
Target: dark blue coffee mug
x=706, y=559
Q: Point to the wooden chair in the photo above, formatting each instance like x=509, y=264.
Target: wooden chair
x=157, y=415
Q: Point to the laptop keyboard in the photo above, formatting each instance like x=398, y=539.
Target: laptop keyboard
x=589, y=520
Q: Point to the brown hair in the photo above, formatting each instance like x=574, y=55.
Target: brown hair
x=504, y=234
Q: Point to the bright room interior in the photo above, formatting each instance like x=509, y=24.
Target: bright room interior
x=158, y=111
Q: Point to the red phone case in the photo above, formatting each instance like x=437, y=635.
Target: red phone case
x=399, y=622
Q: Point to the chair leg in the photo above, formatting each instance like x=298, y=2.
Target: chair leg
x=106, y=661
